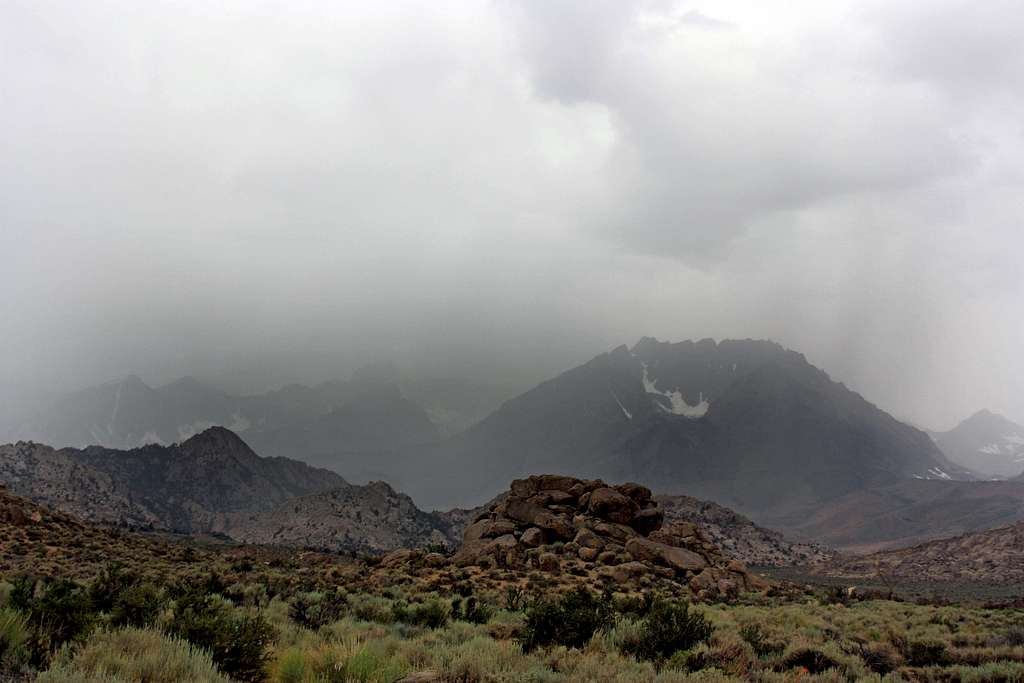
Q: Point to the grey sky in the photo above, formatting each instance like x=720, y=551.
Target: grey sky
x=271, y=191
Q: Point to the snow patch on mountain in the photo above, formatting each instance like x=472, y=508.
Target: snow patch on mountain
x=629, y=415
x=677, y=404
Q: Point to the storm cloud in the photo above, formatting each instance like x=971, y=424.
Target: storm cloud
x=262, y=192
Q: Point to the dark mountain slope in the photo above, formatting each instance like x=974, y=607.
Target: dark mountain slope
x=187, y=487
x=746, y=423
x=986, y=442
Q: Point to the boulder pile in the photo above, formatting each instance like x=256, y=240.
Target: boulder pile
x=551, y=523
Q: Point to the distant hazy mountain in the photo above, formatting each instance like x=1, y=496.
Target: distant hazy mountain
x=374, y=413
x=987, y=443
x=909, y=512
x=190, y=487
x=364, y=438
x=746, y=423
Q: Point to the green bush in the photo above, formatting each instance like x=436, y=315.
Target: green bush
x=810, y=658
x=571, y=621
x=112, y=581
x=237, y=642
x=134, y=655
x=59, y=612
x=430, y=614
x=138, y=605
x=926, y=653
x=668, y=628
x=472, y=610
x=313, y=610
x=758, y=641
x=14, y=642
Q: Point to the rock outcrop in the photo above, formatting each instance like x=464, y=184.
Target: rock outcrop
x=553, y=523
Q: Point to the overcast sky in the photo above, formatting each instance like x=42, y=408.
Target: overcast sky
x=272, y=191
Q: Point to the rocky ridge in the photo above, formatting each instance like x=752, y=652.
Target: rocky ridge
x=995, y=556
x=557, y=523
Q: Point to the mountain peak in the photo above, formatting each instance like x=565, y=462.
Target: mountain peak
x=220, y=437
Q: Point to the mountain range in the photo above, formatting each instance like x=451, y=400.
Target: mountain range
x=987, y=443
x=748, y=424
x=349, y=426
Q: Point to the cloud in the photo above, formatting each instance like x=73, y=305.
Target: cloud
x=277, y=191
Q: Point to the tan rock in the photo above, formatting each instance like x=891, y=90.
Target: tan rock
x=639, y=494
x=397, y=557
x=532, y=537
x=618, y=532
x=648, y=521
x=528, y=513
x=435, y=560
x=549, y=562
x=626, y=571
x=679, y=559
x=588, y=539
x=488, y=529
x=609, y=504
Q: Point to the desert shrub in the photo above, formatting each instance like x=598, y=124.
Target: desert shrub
x=810, y=658
x=291, y=667
x=571, y=621
x=237, y=642
x=61, y=611
x=112, y=581
x=5, y=593
x=14, y=642
x=134, y=655
x=472, y=610
x=926, y=653
x=138, y=605
x=313, y=610
x=1014, y=636
x=758, y=640
x=430, y=614
x=668, y=628
x=881, y=658
x=515, y=598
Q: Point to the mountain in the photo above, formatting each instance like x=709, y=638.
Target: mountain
x=346, y=425
x=364, y=438
x=190, y=487
x=993, y=556
x=987, y=443
x=747, y=423
x=360, y=519
x=909, y=512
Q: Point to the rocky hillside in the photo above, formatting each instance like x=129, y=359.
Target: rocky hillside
x=992, y=556
x=910, y=512
x=367, y=519
x=738, y=537
x=985, y=442
x=190, y=487
x=561, y=524
x=749, y=424
x=45, y=542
